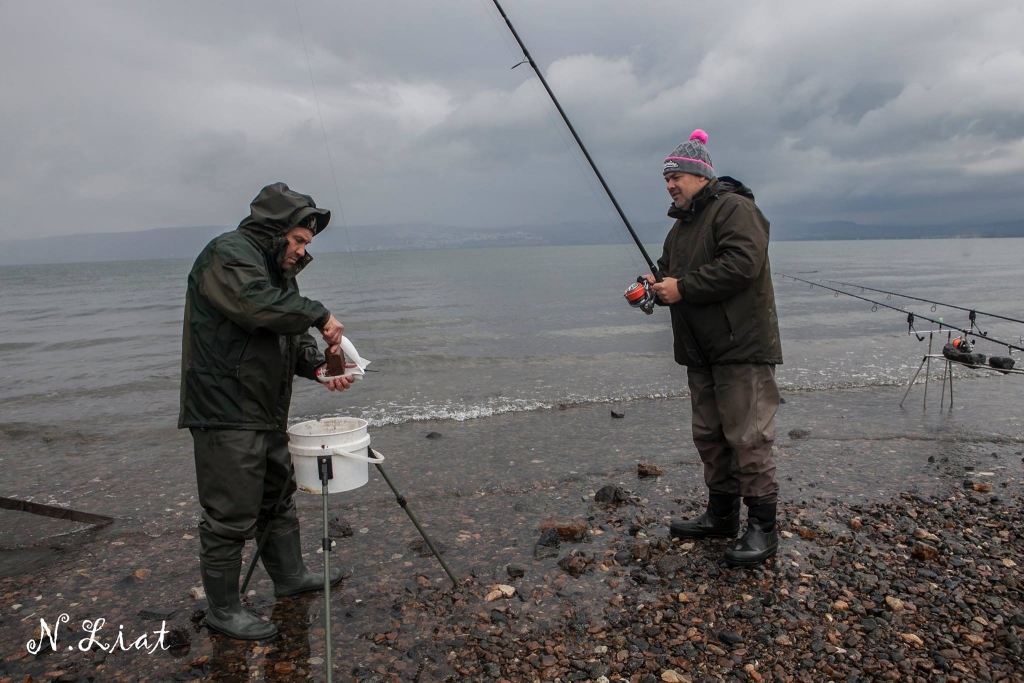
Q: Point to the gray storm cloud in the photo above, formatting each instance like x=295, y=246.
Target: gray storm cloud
x=126, y=116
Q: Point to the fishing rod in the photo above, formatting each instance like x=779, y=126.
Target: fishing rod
x=972, y=312
x=529, y=60
x=639, y=294
x=911, y=317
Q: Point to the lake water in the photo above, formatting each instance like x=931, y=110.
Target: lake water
x=458, y=334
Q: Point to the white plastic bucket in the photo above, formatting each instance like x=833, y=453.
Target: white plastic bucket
x=344, y=439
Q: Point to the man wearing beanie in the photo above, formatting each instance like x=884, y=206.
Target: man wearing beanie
x=246, y=336
x=718, y=287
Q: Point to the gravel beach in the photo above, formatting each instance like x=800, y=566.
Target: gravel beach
x=901, y=558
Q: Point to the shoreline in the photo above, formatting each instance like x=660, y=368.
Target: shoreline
x=484, y=487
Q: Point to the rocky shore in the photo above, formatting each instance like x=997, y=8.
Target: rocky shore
x=920, y=588
x=901, y=560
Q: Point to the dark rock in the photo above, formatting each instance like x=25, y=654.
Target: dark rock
x=668, y=565
x=610, y=494
x=178, y=639
x=434, y=435
x=515, y=572
x=799, y=433
x=542, y=551
x=729, y=637
x=420, y=547
x=339, y=528
x=618, y=415
x=156, y=614
x=573, y=565
x=549, y=538
x=567, y=530
x=645, y=469
x=923, y=552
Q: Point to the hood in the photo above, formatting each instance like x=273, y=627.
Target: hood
x=276, y=210
x=720, y=185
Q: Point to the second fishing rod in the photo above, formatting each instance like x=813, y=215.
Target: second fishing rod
x=911, y=316
x=639, y=294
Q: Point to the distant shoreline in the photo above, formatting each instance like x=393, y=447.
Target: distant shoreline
x=171, y=243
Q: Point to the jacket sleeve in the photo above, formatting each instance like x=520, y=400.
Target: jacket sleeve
x=244, y=294
x=740, y=251
x=310, y=357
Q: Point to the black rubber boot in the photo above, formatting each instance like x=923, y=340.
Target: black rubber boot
x=282, y=558
x=720, y=520
x=761, y=540
x=225, y=612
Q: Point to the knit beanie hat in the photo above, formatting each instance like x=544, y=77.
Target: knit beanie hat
x=691, y=157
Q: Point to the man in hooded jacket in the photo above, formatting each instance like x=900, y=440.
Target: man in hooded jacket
x=718, y=287
x=245, y=336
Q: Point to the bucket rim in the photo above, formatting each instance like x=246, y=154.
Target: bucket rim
x=360, y=423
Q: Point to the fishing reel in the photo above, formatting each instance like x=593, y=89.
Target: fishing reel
x=640, y=295
x=963, y=345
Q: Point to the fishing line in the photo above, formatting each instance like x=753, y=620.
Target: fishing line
x=561, y=134
x=973, y=312
x=911, y=316
x=334, y=176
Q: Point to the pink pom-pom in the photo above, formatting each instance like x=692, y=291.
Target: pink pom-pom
x=699, y=135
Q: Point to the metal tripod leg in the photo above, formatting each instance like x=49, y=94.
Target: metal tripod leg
x=266, y=532
x=928, y=371
x=326, y=471
x=950, y=387
x=912, y=379
x=942, y=396
x=405, y=506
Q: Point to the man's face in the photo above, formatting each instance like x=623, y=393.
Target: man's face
x=683, y=187
x=298, y=239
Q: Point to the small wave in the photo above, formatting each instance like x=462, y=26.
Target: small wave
x=16, y=346
x=395, y=414
x=86, y=343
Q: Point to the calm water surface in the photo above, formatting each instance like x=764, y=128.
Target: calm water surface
x=469, y=333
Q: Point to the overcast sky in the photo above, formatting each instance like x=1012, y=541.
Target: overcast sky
x=126, y=116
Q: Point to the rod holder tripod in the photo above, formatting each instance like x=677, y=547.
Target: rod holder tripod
x=926, y=364
x=325, y=472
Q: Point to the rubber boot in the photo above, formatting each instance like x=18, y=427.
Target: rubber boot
x=225, y=612
x=282, y=558
x=720, y=520
x=761, y=540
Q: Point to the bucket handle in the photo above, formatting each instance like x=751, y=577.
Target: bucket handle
x=354, y=456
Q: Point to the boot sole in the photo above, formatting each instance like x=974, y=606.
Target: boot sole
x=698, y=535
x=750, y=563
x=236, y=636
x=311, y=589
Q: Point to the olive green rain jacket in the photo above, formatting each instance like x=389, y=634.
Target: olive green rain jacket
x=718, y=250
x=246, y=325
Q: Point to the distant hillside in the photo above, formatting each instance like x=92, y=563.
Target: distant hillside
x=845, y=230
x=187, y=242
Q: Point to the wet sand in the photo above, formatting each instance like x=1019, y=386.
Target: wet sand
x=482, y=490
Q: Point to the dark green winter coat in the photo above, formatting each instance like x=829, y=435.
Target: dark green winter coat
x=246, y=325
x=718, y=250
